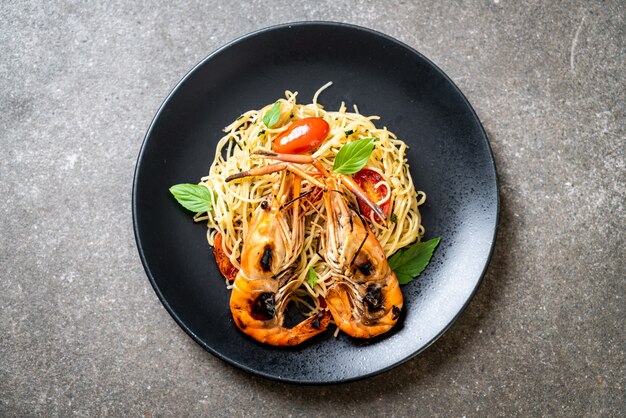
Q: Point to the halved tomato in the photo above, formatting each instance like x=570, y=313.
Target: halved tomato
x=367, y=179
x=223, y=262
x=303, y=135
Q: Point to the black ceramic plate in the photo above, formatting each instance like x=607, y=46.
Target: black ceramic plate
x=450, y=160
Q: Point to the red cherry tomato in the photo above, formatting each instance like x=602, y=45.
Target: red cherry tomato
x=223, y=262
x=367, y=179
x=303, y=135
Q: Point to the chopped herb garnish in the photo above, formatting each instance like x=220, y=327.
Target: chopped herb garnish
x=261, y=132
x=311, y=277
x=272, y=115
x=393, y=218
x=349, y=132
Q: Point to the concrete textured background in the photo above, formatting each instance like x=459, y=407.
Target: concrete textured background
x=83, y=333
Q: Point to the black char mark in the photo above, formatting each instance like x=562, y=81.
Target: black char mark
x=316, y=323
x=264, y=307
x=396, y=312
x=365, y=268
x=266, y=259
x=374, y=297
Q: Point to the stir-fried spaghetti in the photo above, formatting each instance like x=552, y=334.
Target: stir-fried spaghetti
x=235, y=201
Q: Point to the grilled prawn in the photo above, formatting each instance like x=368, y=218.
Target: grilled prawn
x=365, y=300
x=262, y=289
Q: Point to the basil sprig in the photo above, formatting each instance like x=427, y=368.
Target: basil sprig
x=409, y=262
x=193, y=197
x=353, y=156
x=272, y=115
x=311, y=277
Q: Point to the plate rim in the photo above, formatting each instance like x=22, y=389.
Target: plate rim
x=179, y=84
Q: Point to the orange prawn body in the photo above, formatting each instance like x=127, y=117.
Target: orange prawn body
x=261, y=288
x=365, y=300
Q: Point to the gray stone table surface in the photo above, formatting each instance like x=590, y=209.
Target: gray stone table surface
x=82, y=333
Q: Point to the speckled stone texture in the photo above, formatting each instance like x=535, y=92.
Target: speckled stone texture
x=82, y=333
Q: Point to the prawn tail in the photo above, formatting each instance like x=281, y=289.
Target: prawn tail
x=305, y=330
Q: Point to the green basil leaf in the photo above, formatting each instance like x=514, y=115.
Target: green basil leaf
x=409, y=262
x=353, y=156
x=194, y=197
x=312, y=277
x=272, y=115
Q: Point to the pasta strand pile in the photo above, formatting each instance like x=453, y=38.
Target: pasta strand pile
x=235, y=201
